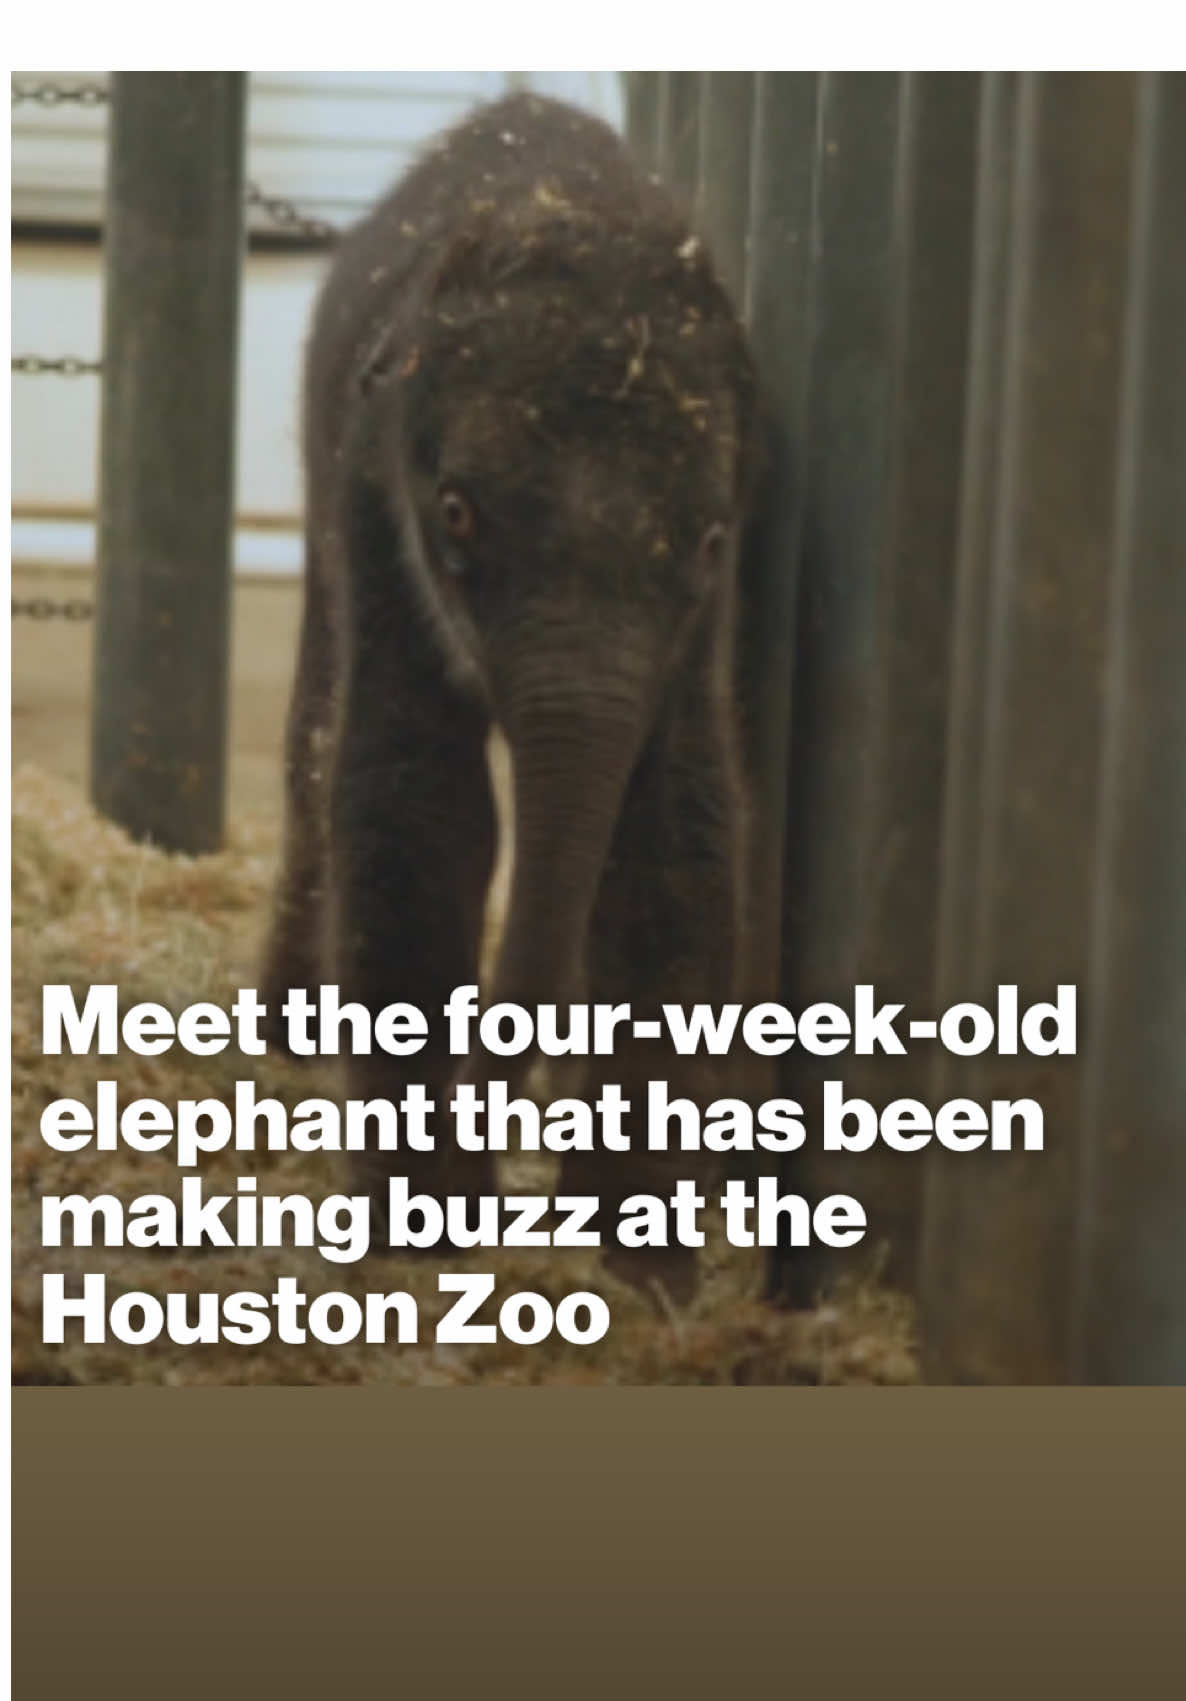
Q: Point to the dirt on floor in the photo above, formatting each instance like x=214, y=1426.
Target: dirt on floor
x=90, y=907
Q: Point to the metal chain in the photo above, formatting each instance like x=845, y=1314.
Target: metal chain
x=64, y=366
x=45, y=608
x=288, y=216
x=58, y=94
x=285, y=214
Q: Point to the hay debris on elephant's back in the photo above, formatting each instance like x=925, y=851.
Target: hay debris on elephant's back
x=91, y=907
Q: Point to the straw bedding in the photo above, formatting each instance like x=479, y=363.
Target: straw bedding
x=91, y=907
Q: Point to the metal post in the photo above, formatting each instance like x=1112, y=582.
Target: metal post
x=846, y=473
x=881, y=462
x=679, y=132
x=901, y=833
x=782, y=214
x=174, y=242
x=723, y=172
x=844, y=476
x=1129, y=1324
x=642, y=116
x=1034, y=617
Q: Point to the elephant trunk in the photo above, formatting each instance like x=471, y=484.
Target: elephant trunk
x=571, y=766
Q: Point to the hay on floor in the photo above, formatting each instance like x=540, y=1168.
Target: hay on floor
x=91, y=907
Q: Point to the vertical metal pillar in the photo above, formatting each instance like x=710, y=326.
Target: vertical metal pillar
x=1129, y=1323
x=882, y=464
x=846, y=477
x=723, y=172
x=642, y=116
x=1026, y=783
x=679, y=132
x=782, y=212
x=901, y=837
x=174, y=240
x=843, y=476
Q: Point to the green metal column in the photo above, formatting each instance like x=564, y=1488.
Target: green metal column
x=879, y=437
x=679, y=132
x=778, y=307
x=843, y=475
x=723, y=172
x=1041, y=726
x=173, y=248
x=1130, y=1291
x=642, y=116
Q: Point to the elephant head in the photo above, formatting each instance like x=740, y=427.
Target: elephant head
x=567, y=443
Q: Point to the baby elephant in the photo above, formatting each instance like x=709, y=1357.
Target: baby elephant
x=530, y=439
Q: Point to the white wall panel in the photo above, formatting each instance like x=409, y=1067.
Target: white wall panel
x=332, y=142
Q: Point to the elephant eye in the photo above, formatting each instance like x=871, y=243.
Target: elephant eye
x=457, y=516
x=712, y=546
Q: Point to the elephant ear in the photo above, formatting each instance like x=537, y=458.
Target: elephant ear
x=378, y=359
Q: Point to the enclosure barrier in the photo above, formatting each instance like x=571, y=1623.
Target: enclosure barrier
x=173, y=257
x=967, y=295
x=965, y=700
x=1066, y=811
x=279, y=216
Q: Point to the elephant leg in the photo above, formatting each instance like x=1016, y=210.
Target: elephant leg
x=412, y=841
x=294, y=954
x=666, y=929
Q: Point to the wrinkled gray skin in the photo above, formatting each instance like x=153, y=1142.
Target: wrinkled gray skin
x=529, y=441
